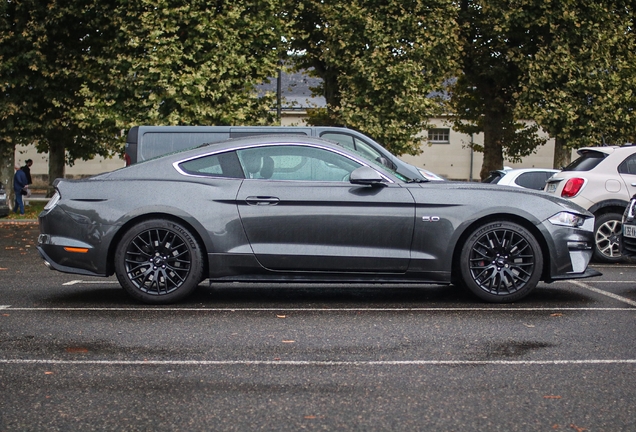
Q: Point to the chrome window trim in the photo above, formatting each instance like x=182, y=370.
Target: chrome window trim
x=176, y=164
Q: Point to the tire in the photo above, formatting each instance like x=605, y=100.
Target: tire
x=158, y=262
x=607, y=238
x=501, y=262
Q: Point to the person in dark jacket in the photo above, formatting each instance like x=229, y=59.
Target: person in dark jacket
x=27, y=170
x=20, y=182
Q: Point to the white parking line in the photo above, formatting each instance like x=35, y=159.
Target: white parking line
x=614, y=282
x=5, y=306
x=605, y=293
x=75, y=282
x=315, y=362
x=283, y=309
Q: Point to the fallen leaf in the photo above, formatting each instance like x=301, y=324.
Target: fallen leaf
x=577, y=428
x=276, y=358
x=289, y=341
x=3, y=268
x=310, y=417
x=551, y=397
x=556, y=315
x=78, y=350
x=529, y=325
x=281, y=316
x=6, y=315
x=48, y=373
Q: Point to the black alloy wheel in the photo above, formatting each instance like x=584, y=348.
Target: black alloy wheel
x=501, y=262
x=158, y=262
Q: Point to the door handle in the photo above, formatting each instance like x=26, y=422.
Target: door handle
x=261, y=200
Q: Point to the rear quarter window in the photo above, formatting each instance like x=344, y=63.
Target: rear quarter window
x=217, y=165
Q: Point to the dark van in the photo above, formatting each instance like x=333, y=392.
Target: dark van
x=146, y=142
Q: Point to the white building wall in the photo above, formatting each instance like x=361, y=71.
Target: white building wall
x=453, y=160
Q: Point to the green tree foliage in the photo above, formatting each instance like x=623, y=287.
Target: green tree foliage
x=74, y=74
x=381, y=63
x=178, y=62
x=42, y=50
x=484, y=96
x=567, y=65
x=580, y=83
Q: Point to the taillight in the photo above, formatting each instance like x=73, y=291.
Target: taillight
x=127, y=159
x=572, y=187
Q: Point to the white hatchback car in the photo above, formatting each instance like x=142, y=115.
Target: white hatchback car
x=528, y=178
x=601, y=180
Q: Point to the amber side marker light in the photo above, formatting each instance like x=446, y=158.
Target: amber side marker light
x=76, y=250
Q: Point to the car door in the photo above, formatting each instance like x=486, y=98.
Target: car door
x=301, y=213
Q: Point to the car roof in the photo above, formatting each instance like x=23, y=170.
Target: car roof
x=607, y=149
x=149, y=166
x=258, y=140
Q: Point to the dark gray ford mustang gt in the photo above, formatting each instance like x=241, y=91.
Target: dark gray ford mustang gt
x=306, y=210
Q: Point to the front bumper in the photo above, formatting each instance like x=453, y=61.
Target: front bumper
x=571, y=250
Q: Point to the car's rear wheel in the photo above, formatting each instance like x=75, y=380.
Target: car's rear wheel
x=158, y=262
x=501, y=262
x=607, y=237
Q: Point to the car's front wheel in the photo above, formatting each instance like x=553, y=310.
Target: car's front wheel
x=607, y=237
x=158, y=262
x=501, y=262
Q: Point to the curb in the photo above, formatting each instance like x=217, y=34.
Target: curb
x=18, y=222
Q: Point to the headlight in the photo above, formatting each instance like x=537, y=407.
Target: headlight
x=567, y=219
x=53, y=201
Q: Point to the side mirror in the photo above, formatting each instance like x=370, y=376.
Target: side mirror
x=367, y=176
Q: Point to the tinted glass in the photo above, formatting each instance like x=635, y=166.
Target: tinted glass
x=628, y=166
x=295, y=163
x=362, y=148
x=218, y=165
x=160, y=143
x=587, y=161
x=533, y=180
x=494, y=177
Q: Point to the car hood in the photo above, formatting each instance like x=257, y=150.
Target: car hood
x=506, y=190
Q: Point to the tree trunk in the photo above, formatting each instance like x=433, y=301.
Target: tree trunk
x=7, y=169
x=493, y=152
x=562, y=155
x=57, y=158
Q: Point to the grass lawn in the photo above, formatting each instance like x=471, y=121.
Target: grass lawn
x=30, y=212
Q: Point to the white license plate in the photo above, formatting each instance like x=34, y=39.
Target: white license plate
x=551, y=187
x=629, y=231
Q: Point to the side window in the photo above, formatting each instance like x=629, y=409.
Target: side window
x=372, y=154
x=532, y=180
x=217, y=165
x=628, y=166
x=344, y=140
x=299, y=163
x=362, y=148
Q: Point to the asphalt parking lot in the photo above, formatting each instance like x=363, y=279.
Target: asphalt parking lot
x=77, y=354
